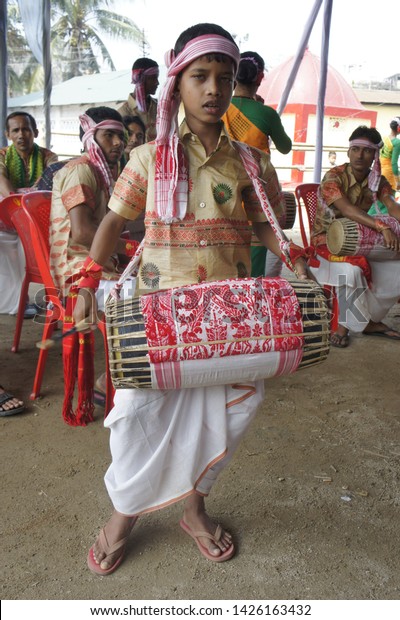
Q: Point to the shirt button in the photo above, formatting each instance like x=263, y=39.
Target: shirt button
x=203, y=242
x=202, y=205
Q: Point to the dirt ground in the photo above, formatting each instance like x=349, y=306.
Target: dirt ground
x=312, y=496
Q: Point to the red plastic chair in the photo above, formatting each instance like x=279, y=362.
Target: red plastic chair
x=32, y=223
x=307, y=197
x=306, y=194
x=13, y=209
x=5, y=220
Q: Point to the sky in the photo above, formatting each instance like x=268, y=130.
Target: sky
x=359, y=45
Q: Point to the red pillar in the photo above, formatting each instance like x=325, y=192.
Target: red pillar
x=300, y=135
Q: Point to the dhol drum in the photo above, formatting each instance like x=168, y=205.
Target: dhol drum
x=216, y=333
x=348, y=238
x=291, y=210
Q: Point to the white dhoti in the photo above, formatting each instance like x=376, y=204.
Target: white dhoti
x=358, y=303
x=273, y=265
x=165, y=444
x=12, y=271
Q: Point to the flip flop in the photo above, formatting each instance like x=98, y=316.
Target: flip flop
x=343, y=340
x=226, y=555
x=384, y=334
x=4, y=398
x=120, y=545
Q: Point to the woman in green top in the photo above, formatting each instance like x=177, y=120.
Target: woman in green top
x=249, y=120
x=390, y=154
x=389, y=158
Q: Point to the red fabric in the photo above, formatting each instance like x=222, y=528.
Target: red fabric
x=308, y=253
x=90, y=274
x=225, y=318
x=78, y=363
x=131, y=247
x=296, y=252
x=359, y=261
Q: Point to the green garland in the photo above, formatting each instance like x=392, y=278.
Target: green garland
x=16, y=168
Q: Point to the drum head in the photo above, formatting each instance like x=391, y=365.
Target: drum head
x=335, y=237
x=290, y=202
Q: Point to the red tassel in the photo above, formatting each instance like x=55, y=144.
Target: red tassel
x=70, y=363
x=85, y=407
x=78, y=362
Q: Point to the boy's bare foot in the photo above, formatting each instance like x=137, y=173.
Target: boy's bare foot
x=108, y=550
x=218, y=542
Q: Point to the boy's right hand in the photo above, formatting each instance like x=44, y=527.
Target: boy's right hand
x=85, y=307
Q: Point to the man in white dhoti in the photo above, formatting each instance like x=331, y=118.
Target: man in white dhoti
x=366, y=287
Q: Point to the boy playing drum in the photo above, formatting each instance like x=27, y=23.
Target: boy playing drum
x=170, y=445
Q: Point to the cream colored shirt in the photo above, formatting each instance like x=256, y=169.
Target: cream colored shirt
x=130, y=108
x=340, y=182
x=78, y=182
x=212, y=242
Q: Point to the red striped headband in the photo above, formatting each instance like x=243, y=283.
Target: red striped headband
x=138, y=78
x=168, y=105
x=374, y=176
x=93, y=150
x=366, y=143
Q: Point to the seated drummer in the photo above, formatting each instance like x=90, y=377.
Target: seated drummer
x=80, y=193
x=366, y=289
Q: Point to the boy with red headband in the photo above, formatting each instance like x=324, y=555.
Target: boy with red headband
x=140, y=102
x=81, y=191
x=367, y=289
x=194, y=186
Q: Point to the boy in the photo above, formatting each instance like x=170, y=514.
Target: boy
x=169, y=445
x=81, y=190
x=140, y=102
x=136, y=133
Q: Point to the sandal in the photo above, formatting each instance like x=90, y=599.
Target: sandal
x=5, y=397
x=339, y=340
x=225, y=555
x=392, y=334
x=120, y=545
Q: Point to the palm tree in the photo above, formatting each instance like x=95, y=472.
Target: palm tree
x=76, y=35
x=24, y=72
x=77, y=45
